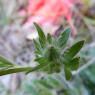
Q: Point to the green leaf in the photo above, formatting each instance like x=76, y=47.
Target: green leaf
x=63, y=38
x=53, y=82
x=68, y=73
x=68, y=55
x=74, y=63
x=41, y=88
x=37, y=47
x=52, y=53
x=2, y=65
x=49, y=38
x=41, y=60
x=45, y=84
x=29, y=88
x=4, y=62
x=41, y=34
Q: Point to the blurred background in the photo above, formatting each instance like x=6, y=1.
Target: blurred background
x=17, y=32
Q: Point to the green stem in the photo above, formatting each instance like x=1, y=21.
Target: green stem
x=20, y=69
x=14, y=70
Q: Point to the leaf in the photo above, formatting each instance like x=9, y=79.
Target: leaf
x=68, y=73
x=2, y=65
x=52, y=53
x=41, y=34
x=41, y=88
x=37, y=47
x=45, y=84
x=63, y=38
x=29, y=88
x=53, y=82
x=49, y=38
x=4, y=62
x=74, y=63
x=41, y=60
x=68, y=55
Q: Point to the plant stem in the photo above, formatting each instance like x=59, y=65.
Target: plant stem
x=20, y=69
